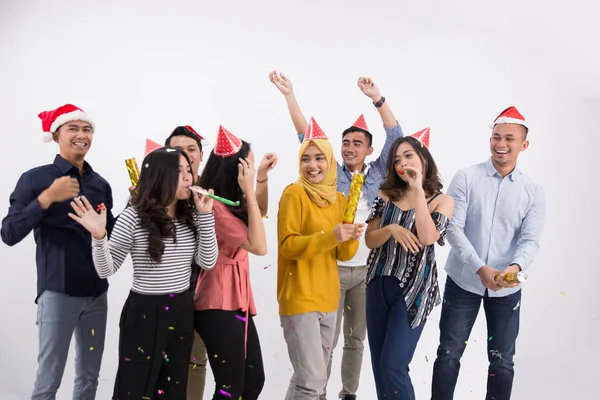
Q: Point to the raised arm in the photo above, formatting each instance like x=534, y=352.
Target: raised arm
x=108, y=254
x=268, y=162
x=27, y=207
x=456, y=235
x=531, y=231
x=392, y=128
x=285, y=87
x=207, y=250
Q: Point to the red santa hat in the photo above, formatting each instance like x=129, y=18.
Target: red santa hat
x=227, y=144
x=314, y=131
x=151, y=146
x=361, y=123
x=422, y=136
x=202, y=139
x=510, y=116
x=53, y=119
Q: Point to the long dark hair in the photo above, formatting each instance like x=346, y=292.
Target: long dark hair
x=394, y=187
x=155, y=190
x=221, y=173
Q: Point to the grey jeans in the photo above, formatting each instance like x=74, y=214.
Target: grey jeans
x=309, y=339
x=352, y=309
x=59, y=316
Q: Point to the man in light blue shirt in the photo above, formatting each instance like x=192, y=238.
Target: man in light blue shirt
x=495, y=229
x=356, y=146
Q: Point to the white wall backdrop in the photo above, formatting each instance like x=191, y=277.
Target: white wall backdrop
x=143, y=67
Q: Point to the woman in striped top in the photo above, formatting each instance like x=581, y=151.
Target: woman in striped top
x=163, y=234
x=407, y=218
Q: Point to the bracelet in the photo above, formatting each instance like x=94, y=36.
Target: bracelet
x=262, y=180
x=380, y=102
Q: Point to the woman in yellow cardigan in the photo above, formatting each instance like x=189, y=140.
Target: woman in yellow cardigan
x=311, y=238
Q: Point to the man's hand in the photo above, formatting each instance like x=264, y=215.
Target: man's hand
x=282, y=82
x=63, y=188
x=500, y=277
x=369, y=88
x=487, y=276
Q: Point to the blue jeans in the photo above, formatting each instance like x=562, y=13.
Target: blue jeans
x=459, y=312
x=58, y=317
x=391, y=339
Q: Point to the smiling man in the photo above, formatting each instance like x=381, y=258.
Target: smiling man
x=71, y=298
x=356, y=147
x=495, y=229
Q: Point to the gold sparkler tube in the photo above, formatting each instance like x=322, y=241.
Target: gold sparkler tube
x=356, y=185
x=133, y=170
x=514, y=277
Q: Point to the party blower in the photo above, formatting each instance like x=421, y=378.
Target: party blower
x=358, y=179
x=215, y=197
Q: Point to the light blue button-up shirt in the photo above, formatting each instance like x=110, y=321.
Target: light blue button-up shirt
x=496, y=222
x=375, y=171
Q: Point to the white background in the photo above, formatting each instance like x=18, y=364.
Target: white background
x=141, y=68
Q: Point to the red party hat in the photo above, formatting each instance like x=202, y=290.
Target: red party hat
x=227, y=144
x=361, y=123
x=422, y=136
x=151, y=146
x=314, y=131
x=510, y=116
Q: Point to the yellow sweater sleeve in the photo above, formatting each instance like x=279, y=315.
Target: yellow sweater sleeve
x=293, y=245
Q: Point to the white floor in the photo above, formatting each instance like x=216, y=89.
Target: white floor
x=556, y=353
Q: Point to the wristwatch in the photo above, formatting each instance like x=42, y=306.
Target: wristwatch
x=520, y=269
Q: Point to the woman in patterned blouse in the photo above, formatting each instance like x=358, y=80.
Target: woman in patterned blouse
x=409, y=215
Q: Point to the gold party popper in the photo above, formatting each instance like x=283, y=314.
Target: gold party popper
x=358, y=179
x=514, y=277
x=133, y=170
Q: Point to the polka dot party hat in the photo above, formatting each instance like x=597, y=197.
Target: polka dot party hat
x=227, y=144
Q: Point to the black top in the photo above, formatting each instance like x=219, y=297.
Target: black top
x=64, y=247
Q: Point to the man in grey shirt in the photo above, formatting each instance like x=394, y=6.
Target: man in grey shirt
x=495, y=229
x=356, y=146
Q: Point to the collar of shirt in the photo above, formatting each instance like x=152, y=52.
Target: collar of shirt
x=491, y=170
x=64, y=166
x=365, y=170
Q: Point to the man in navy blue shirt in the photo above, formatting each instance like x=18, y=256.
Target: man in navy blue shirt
x=71, y=298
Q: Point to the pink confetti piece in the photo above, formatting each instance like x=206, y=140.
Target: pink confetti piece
x=171, y=295
x=166, y=308
x=127, y=359
x=241, y=318
x=160, y=392
x=224, y=393
x=267, y=266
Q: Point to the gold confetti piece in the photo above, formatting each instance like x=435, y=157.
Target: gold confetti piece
x=563, y=293
x=349, y=308
x=92, y=331
x=216, y=356
x=466, y=342
x=91, y=348
x=223, y=361
x=171, y=328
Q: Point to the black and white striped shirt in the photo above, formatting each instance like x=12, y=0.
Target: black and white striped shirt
x=172, y=274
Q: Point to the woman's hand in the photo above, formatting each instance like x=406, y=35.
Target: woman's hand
x=204, y=204
x=406, y=238
x=89, y=218
x=246, y=174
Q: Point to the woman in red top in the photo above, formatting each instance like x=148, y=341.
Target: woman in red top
x=224, y=303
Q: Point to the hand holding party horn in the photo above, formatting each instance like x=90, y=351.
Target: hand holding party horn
x=215, y=197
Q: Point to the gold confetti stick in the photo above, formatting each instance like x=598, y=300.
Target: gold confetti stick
x=358, y=179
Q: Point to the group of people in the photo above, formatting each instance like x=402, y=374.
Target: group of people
x=191, y=301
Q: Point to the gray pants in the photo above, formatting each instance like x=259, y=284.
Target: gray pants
x=59, y=316
x=352, y=307
x=309, y=339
